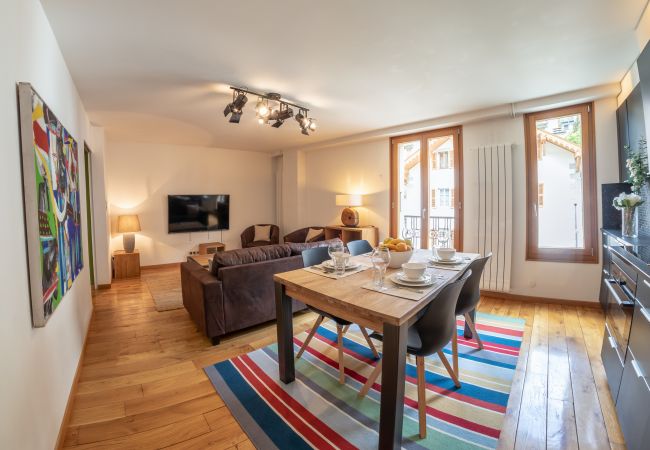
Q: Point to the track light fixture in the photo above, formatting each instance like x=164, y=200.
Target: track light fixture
x=266, y=110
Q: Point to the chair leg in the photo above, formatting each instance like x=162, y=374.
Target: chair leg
x=454, y=349
x=339, y=332
x=450, y=371
x=346, y=328
x=371, y=380
x=319, y=320
x=369, y=341
x=472, y=327
x=422, y=396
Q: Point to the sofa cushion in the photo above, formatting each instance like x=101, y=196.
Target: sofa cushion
x=249, y=255
x=313, y=234
x=298, y=247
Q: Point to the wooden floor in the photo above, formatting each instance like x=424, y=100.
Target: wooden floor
x=142, y=383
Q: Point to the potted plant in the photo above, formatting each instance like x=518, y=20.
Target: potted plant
x=637, y=165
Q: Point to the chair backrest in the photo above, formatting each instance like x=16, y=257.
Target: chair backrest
x=314, y=256
x=471, y=293
x=438, y=323
x=359, y=247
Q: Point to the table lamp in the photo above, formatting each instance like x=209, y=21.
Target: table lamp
x=128, y=225
x=349, y=216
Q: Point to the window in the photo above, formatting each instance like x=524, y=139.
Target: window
x=445, y=197
x=443, y=160
x=561, y=185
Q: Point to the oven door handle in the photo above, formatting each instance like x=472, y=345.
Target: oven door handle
x=645, y=313
x=637, y=369
x=619, y=301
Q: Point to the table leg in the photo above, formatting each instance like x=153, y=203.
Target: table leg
x=468, y=332
x=284, y=318
x=392, y=386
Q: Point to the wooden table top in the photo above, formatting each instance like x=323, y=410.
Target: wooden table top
x=346, y=297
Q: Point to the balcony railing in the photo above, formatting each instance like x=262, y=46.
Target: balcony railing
x=441, y=230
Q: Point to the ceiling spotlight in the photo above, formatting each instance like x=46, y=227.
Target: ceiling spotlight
x=278, y=123
x=235, y=108
x=285, y=113
x=312, y=124
x=303, y=121
x=262, y=108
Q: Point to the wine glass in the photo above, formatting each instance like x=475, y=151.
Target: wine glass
x=380, y=258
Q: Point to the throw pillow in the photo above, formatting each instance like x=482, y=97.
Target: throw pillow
x=262, y=233
x=313, y=233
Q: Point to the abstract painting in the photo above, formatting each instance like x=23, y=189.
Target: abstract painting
x=52, y=202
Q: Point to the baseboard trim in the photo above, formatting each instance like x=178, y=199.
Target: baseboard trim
x=162, y=266
x=104, y=286
x=531, y=299
x=73, y=390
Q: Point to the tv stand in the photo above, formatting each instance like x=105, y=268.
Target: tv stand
x=209, y=248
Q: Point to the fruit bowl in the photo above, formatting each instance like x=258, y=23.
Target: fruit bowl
x=399, y=258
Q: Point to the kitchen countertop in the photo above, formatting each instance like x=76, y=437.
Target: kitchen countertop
x=642, y=241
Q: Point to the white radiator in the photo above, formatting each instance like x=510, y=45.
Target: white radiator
x=488, y=211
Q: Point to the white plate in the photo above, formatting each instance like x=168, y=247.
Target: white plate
x=395, y=279
x=349, y=266
x=424, y=279
x=456, y=260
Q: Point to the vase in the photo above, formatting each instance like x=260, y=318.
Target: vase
x=629, y=222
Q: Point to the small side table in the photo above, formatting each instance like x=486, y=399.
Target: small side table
x=126, y=265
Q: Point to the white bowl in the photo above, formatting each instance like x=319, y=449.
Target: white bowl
x=414, y=271
x=399, y=258
x=446, y=254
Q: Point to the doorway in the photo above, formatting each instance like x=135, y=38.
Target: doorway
x=426, y=188
x=89, y=213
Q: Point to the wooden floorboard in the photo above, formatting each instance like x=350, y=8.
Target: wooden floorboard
x=142, y=383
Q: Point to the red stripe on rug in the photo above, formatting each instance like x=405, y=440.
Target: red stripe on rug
x=458, y=421
x=490, y=347
x=281, y=409
x=480, y=326
x=297, y=407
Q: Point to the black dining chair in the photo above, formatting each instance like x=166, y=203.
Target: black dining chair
x=312, y=257
x=428, y=335
x=467, y=302
x=359, y=247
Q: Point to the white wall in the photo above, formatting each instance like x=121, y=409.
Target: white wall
x=140, y=176
x=351, y=169
x=364, y=168
x=38, y=364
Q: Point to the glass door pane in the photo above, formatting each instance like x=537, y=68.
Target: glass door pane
x=409, y=191
x=441, y=191
x=560, y=205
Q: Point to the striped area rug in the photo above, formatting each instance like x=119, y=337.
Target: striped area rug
x=315, y=411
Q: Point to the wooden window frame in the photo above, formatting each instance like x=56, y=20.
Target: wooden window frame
x=589, y=254
x=457, y=155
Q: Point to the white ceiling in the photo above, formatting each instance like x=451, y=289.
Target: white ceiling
x=158, y=70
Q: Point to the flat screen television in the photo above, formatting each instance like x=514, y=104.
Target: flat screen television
x=198, y=213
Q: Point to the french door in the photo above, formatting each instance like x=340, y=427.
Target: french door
x=426, y=188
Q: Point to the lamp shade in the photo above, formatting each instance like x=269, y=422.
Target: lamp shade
x=128, y=224
x=348, y=200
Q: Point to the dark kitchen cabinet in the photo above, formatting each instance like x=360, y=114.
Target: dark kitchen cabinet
x=632, y=405
x=631, y=127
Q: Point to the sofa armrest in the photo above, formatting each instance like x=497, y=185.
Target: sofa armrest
x=203, y=298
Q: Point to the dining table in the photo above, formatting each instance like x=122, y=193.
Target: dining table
x=353, y=298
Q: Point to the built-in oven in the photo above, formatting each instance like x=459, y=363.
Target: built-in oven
x=621, y=287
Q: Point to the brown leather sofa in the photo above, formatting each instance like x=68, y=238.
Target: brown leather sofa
x=238, y=291
x=301, y=234
x=248, y=235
